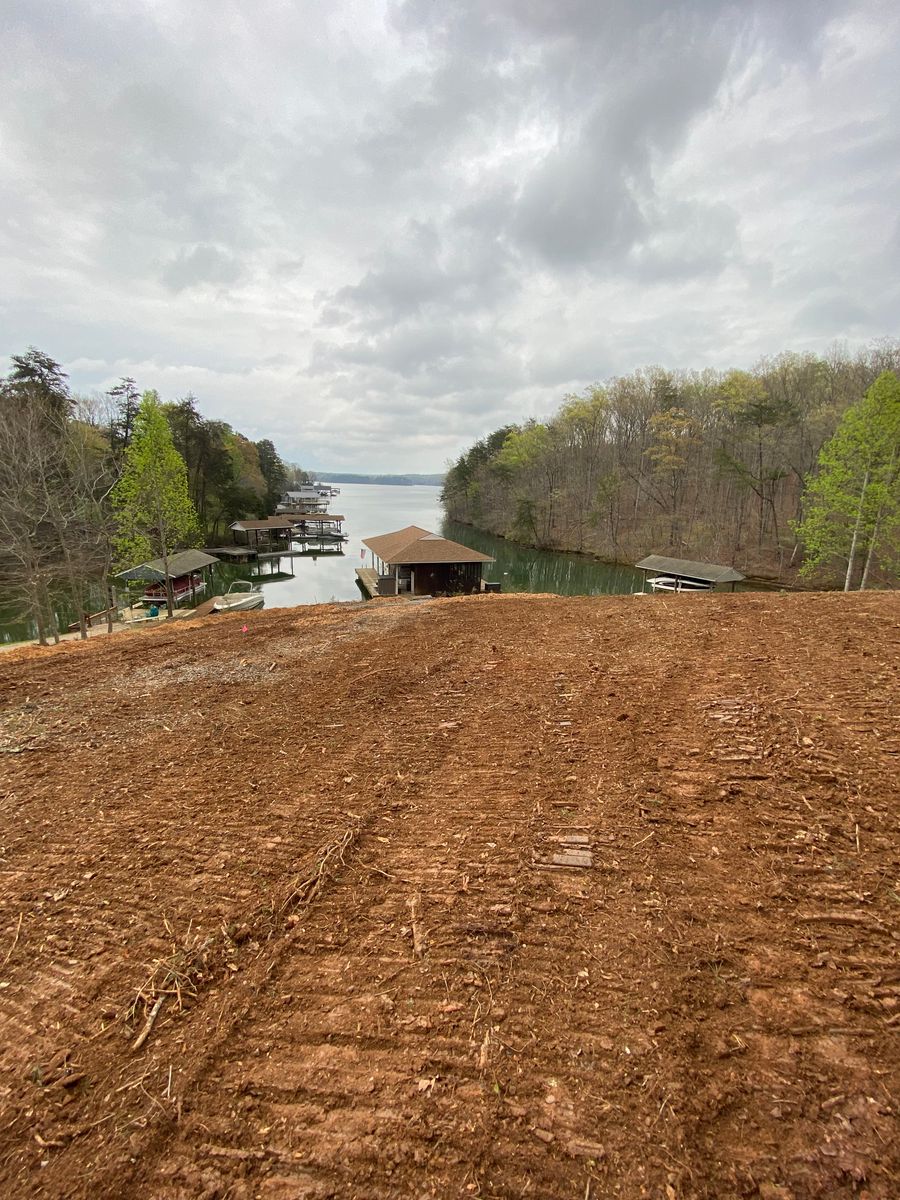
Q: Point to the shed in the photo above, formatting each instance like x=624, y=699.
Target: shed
x=420, y=563
x=187, y=570
x=685, y=575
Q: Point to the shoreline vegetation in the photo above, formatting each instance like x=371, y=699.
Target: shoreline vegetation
x=90, y=485
x=590, y=556
x=789, y=472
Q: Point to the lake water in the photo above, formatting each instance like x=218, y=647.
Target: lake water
x=370, y=509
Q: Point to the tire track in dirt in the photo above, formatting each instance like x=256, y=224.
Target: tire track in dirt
x=328, y=1081
x=449, y=1018
x=65, y=976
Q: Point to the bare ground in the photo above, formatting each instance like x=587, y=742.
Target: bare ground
x=277, y=920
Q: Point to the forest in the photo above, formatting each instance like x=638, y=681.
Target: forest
x=790, y=469
x=67, y=518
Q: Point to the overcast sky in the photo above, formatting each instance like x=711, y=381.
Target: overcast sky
x=376, y=231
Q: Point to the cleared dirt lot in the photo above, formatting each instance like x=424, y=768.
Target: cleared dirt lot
x=319, y=856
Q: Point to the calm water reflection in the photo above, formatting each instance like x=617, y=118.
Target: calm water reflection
x=371, y=509
x=522, y=569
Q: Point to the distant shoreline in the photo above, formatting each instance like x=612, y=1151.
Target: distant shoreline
x=389, y=480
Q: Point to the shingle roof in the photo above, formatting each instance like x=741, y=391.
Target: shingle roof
x=687, y=569
x=179, y=564
x=416, y=545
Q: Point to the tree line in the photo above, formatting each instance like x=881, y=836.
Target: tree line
x=790, y=468
x=91, y=485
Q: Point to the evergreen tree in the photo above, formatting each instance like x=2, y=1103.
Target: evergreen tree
x=152, y=506
x=36, y=377
x=274, y=473
x=127, y=400
x=853, y=503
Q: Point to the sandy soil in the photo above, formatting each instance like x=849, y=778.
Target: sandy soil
x=279, y=915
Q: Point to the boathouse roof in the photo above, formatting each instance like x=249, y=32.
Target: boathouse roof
x=266, y=523
x=182, y=563
x=416, y=545
x=685, y=568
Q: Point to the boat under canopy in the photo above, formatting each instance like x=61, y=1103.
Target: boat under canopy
x=685, y=575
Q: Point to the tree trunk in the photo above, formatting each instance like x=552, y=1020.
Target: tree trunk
x=40, y=618
x=848, y=579
x=170, y=591
x=870, y=553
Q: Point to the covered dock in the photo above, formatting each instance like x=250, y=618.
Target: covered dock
x=684, y=575
x=308, y=498
x=187, y=570
x=325, y=526
x=416, y=562
x=262, y=534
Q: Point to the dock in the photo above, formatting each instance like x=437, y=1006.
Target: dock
x=367, y=578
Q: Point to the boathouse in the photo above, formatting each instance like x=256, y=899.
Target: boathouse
x=188, y=570
x=682, y=575
x=414, y=562
x=324, y=526
x=266, y=534
x=308, y=498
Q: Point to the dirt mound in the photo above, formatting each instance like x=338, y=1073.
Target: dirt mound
x=495, y=897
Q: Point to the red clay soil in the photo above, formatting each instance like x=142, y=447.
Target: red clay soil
x=279, y=916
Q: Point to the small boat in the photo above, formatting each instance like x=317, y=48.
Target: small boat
x=675, y=583
x=241, y=596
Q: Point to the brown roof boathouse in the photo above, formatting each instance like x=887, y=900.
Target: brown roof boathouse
x=414, y=562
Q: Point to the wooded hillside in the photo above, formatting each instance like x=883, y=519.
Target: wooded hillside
x=62, y=459
x=701, y=464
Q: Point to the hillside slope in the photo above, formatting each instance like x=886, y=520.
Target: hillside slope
x=281, y=917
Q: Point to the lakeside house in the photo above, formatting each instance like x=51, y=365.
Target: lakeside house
x=416, y=562
x=188, y=571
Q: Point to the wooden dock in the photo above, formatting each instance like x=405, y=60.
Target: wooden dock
x=202, y=610
x=367, y=578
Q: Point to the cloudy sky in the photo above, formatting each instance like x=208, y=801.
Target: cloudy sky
x=374, y=230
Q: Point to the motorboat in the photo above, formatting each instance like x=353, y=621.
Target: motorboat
x=240, y=597
x=675, y=583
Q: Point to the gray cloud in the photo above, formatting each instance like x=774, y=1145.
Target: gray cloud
x=201, y=264
x=374, y=232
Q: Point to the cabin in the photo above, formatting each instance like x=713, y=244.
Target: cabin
x=415, y=562
x=684, y=575
x=188, y=570
x=270, y=533
x=308, y=498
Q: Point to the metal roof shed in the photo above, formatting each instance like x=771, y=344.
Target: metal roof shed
x=695, y=575
x=186, y=571
x=182, y=563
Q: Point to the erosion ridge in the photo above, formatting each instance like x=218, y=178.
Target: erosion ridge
x=281, y=917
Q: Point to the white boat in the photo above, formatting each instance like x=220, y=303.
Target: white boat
x=241, y=596
x=670, y=583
